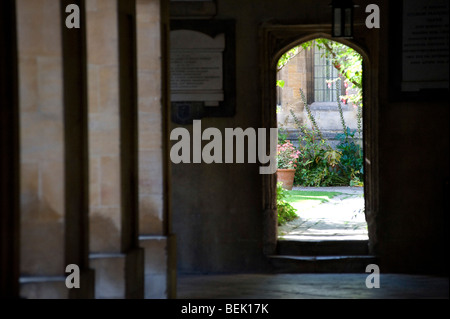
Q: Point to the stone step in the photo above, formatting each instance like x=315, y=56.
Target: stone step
x=321, y=264
x=322, y=247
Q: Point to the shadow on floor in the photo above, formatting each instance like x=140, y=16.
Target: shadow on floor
x=311, y=286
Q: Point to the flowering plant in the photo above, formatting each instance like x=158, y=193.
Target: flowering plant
x=287, y=155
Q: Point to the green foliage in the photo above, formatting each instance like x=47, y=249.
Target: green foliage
x=282, y=136
x=320, y=165
x=318, y=162
x=341, y=113
x=280, y=83
x=287, y=56
x=351, y=161
x=310, y=116
x=285, y=210
x=345, y=59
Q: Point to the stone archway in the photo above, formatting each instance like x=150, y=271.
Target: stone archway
x=277, y=39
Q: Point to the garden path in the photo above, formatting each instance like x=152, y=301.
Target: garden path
x=341, y=218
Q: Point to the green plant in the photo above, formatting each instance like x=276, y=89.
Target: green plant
x=310, y=115
x=280, y=83
x=284, y=59
x=318, y=161
x=287, y=155
x=351, y=161
x=285, y=210
x=282, y=136
x=341, y=113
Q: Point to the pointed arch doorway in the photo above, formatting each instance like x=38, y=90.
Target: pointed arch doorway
x=276, y=40
x=319, y=113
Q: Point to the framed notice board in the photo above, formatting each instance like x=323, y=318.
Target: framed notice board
x=202, y=69
x=419, y=49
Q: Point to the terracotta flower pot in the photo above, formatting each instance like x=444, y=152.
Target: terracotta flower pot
x=286, y=176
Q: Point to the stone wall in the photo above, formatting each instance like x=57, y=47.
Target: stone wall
x=218, y=208
x=128, y=239
x=294, y=74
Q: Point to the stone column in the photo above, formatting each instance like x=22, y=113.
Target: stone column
x=154, y=230
x=53, y=145
x=42, y=258
x=104, y=148
x=113, y=149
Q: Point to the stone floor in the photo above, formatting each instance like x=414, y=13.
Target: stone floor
x=339, y=218
x=311, y=286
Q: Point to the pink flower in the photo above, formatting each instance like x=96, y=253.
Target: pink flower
x=287, y=155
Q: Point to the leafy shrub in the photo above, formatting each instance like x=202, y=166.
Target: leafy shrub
x=317, y=162
x=351, y=161
x=320, y=165
x=285, y=211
